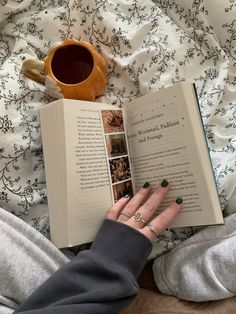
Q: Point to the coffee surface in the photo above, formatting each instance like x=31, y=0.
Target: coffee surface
x=72, y=64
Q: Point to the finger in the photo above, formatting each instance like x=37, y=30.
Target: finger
x=147, y=210
x=115, y=210
x=136, y=201
x=162, y=221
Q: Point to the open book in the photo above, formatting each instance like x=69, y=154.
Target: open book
x=96, y=153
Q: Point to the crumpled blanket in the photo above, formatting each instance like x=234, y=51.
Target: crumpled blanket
x=148, y=45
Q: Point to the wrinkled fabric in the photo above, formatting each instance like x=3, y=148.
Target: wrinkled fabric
x=102, y=279
x=27, y=259
x=202, y=268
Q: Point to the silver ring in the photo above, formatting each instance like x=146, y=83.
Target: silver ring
x=138, y=217
x=153, y=229
x=124, y=214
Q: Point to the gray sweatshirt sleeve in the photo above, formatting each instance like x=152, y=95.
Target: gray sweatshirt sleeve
x=202, y=268
x=99, y=280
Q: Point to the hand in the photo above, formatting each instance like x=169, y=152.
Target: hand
x=137, y=212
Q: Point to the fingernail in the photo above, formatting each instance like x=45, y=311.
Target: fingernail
x=126, y=196
x=164, y=183
x=179, y=201
x=146, y=185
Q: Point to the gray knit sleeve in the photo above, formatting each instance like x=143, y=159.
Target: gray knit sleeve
x=99, y=280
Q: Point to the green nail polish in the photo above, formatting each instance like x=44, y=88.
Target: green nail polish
x=126, y=196
x=164, y=183
x=179, y=201
x=146, y=185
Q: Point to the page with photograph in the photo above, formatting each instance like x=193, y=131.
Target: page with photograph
x=89, y=193
x=117, y=154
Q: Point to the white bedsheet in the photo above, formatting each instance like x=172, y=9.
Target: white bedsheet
x=148, y=45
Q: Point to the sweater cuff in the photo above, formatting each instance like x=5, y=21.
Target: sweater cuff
x=120, y=244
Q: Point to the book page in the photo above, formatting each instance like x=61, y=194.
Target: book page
x=117, y=153
x=89, y=192
x=162, y=146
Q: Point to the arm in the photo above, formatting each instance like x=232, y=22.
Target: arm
x=99, y=280
x=103, y=279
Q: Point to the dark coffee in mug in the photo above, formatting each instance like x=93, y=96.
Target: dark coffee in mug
x=72, y=64
x=72, y=69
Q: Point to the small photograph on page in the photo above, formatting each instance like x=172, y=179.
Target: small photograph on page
x=112, y=121
x=116, y=145
x=120, y=169
x=122, y=189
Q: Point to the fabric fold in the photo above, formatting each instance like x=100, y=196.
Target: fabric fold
x=202, y=267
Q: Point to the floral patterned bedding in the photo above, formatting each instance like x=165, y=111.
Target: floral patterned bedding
x=148, y=45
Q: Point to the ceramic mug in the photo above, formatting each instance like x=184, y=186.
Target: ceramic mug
x=72, y=69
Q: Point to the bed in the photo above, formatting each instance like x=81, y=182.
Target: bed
x=148, y=45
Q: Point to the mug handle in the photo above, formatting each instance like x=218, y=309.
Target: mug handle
x=34, y=69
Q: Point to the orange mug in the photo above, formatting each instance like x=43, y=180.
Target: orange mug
x=73, y=69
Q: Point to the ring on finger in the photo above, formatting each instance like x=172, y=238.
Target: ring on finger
x=139, y=217
x=125, y=214
x=153, y=229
